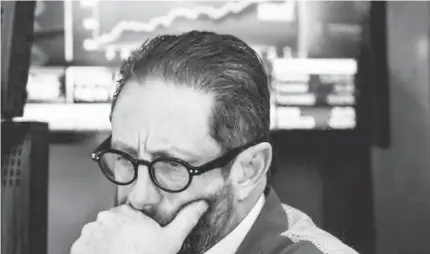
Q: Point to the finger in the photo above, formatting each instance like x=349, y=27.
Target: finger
x=128, y=212
x=105, y=216
x=120, y=209
x=88, y=229
x=186, y=220
x=76, y=248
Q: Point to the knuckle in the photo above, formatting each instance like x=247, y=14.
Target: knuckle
x=87, y=229
x=103, y=215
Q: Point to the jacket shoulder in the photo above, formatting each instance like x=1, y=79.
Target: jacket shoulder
x=308, y=238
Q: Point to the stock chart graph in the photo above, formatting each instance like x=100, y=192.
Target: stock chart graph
x=309, y=52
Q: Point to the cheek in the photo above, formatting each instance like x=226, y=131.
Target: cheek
x=202, y=187
x=208, y=183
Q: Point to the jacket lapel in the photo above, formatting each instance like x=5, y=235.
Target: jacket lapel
x=267, y=229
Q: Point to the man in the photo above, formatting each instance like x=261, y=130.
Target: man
x=190, y=153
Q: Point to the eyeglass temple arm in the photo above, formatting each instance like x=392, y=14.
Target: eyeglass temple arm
x=226, y=158
x=104, y=145
x=219, y=162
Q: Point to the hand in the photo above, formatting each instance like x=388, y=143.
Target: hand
x=125, y=230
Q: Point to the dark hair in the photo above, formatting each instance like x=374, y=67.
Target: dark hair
x=215, y=63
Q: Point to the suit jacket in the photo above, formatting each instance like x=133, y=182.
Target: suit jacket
x=281, y=229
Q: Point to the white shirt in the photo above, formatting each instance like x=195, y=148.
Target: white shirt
x=230, y=243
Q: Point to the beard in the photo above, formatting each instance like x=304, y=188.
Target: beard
x=214, y=225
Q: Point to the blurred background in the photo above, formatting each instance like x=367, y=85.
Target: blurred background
x=350, y=113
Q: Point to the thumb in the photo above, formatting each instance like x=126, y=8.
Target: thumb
x=186, y=220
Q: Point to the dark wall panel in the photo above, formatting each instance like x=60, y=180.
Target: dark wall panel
x=401, y=172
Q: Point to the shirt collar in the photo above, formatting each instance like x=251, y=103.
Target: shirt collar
x=232, y=241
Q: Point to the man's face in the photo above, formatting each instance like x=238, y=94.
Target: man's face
x=155, y=118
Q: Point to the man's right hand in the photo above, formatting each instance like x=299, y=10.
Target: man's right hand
x=125, y=230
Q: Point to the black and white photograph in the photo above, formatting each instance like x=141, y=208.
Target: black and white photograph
x=215, y=127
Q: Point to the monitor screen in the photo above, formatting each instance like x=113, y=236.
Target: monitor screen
x=309, y=50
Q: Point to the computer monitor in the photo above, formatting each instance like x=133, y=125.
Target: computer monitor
x=16, y=41
x=310, y=50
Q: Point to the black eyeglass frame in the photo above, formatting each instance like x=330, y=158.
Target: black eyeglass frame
x=222, y=161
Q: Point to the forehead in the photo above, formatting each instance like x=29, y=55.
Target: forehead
x=162, y=112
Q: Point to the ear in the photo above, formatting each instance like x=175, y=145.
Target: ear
x=249, y=168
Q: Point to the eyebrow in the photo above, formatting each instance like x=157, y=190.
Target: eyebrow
x=118, y=145
x=181, y=154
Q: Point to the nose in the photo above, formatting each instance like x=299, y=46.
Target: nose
x=144, y=194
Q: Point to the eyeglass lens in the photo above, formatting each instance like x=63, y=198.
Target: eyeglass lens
x=117, y=167
x=168, y=174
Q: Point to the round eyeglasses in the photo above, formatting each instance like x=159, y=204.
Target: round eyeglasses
x=168, y=173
